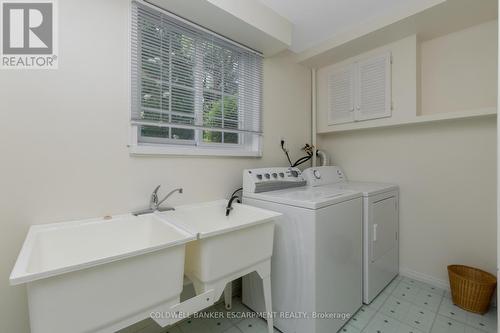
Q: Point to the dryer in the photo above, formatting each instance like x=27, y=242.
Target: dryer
x=317, y=258
x=380, y=225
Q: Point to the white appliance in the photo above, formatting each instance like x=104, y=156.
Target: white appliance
x=380, y=225
x=317, y=258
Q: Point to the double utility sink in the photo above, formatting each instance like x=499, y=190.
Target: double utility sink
x=102, y=275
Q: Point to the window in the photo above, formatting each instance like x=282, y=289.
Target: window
x=193, y=92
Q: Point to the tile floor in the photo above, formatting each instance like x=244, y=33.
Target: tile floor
x=202, y=325
x=405, y=306
x=409, y=306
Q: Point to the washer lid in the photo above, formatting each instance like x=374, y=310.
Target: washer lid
x=334, y=178
x=367, y=188
x=306, y=197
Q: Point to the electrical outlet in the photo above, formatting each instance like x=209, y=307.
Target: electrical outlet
x=283, y=142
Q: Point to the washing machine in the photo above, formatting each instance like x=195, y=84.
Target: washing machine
x=316, y=271
x=380, y=225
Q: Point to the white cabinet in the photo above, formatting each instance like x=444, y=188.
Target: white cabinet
x=360, y=90
x=373, y=88
x=341, y=95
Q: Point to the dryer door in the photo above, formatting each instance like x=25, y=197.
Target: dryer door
x=381, y=254
x=383, y=227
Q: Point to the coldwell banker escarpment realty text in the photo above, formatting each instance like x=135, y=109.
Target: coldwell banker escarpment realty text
x=29, y=34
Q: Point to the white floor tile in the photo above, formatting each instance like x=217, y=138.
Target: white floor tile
x=395, y=308
x=428, y=300
x=433, y=289
x=419, y=318
x=406, y=292
x=252, y=326
x=403, y=328
x=194, y=326
x=382, y=324
x=486, y=322
x=362, y=317
x=218, y=325
x=444, y=324
x=469, y=329
x=452, y=311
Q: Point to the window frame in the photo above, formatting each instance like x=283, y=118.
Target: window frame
x=250, y=144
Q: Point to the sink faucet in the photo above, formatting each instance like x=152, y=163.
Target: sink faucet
x=234, y=196
x=154, y=202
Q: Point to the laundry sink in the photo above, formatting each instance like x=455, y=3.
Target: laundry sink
x=100, y=275
x=118, y=270
x=226, y=245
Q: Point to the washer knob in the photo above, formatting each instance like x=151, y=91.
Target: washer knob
x=267, y=176
x=317, y=174
x=275, y=175
x=259, y=177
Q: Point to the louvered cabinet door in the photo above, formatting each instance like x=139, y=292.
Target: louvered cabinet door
x=341, y=95
x=373, y=96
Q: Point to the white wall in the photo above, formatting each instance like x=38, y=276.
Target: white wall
x=63, y=137
x=447, y=175
x=459, y=70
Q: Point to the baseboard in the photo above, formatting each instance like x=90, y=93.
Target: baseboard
x=433, y=281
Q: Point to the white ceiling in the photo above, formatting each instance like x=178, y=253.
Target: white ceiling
x=316, y=21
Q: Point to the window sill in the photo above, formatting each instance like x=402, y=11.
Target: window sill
x=150, y=150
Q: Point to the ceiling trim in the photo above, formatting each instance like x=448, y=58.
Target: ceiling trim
x=247, y=22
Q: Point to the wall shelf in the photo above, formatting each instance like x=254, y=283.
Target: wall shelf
x=387, y=122
x=435, y=76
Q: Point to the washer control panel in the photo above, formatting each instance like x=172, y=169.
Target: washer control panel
x=323, y=175
x=271, y=179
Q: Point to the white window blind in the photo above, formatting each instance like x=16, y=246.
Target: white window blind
x=191, y=87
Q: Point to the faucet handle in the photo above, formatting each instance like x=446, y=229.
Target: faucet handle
x=155, y=191
x=153, y=201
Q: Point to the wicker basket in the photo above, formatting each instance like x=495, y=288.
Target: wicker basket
x=471, y=288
